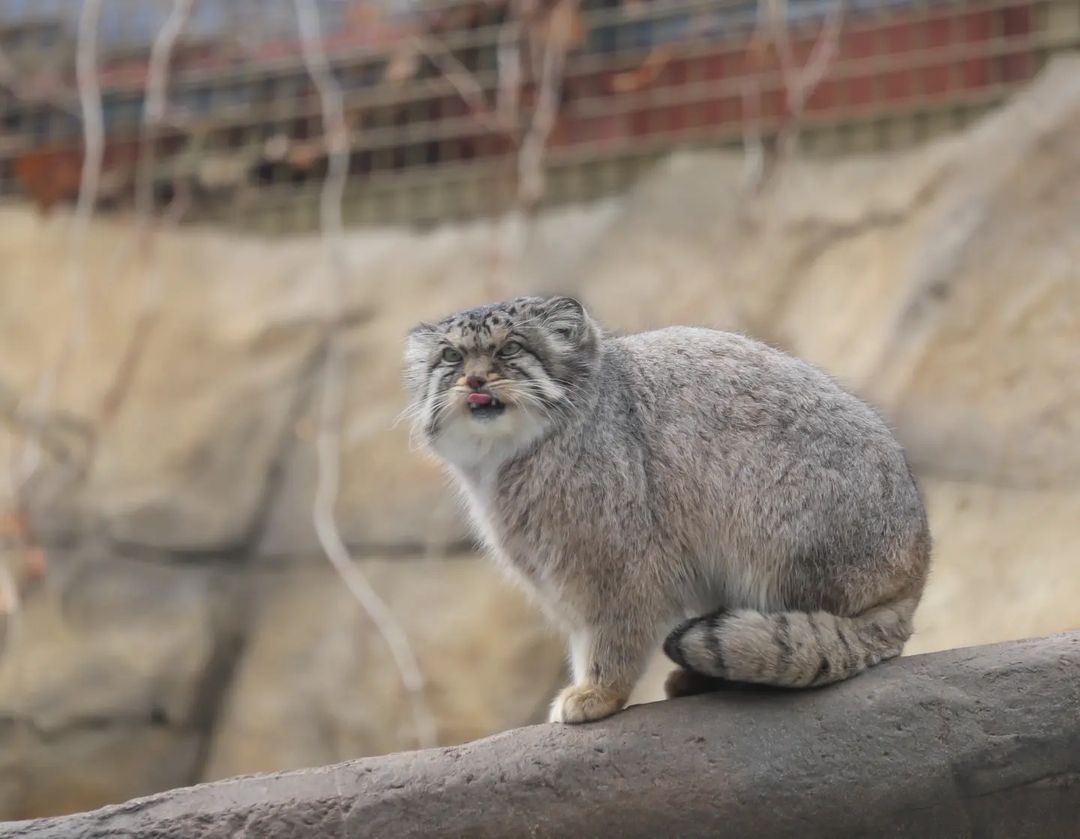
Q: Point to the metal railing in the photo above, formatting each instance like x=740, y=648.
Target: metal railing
x=241, y=138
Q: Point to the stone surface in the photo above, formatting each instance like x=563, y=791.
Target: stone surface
x=1001, y=569
x=128, y=677
x=982, y=741
x=942, y=283
x=183, y=465
x=116, y=679
x=317, y=684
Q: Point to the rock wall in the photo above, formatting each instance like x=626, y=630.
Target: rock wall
x=188, y=628
x=976, y=742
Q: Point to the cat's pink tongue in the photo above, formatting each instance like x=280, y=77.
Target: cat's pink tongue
x=479, y=399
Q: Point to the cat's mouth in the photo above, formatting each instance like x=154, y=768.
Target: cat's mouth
x=484, y=406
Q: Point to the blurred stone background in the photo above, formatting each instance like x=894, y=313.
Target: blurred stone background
x=177, y=620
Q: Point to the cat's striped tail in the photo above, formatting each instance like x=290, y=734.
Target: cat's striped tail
x=790, y=649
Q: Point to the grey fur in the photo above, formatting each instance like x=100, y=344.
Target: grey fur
x=632, y=481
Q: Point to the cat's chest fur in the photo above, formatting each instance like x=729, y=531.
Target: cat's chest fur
x=565, y=515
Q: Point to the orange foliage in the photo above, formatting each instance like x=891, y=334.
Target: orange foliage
x=49, y=176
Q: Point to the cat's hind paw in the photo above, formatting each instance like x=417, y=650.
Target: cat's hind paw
x=585, y=703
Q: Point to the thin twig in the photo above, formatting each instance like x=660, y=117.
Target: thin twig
x=154, y=104
x=89, y=85
x=89, y=88
x=154, y=108
x=27, y=461
x=508, y=64
x=10, y=606
x=800, y=84
x=331, y=408
x=509, y=83
x=534, y=143
x=753, y=144
x=823, y=52
x=470, y=91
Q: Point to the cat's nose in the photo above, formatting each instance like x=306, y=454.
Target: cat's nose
x=475, y=382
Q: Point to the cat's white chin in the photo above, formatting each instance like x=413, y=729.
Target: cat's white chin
x=482, y=442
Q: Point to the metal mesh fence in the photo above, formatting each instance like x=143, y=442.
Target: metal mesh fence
x=461, y=108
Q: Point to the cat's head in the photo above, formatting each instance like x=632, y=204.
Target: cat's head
x=497, y=377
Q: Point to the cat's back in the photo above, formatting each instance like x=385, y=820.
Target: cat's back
x=752, y=449
x=677, y=357
x=688, y=376
x=699, y=350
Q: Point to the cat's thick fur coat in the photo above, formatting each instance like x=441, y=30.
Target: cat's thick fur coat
x=631, y=482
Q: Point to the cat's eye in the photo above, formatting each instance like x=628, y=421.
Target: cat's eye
x=509, y=349
x=451, y=356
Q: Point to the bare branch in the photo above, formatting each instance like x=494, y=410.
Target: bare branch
x=66, y=439
x=800, y=84
x=86, y=75
x=753, y=145
x=331, y=407
x=553, y=34
x=508, y=63
x=154, y=109
x=823, y=52
x=534, y=144
x=470, y=91
x=335, y=131
x=157, y=77
x=89, y=87
x=10, y=604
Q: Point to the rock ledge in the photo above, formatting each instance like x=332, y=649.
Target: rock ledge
x=983, y=741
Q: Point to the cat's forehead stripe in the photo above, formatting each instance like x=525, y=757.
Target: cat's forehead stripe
x=485, y=326
x=486, y=335
x=496, y=313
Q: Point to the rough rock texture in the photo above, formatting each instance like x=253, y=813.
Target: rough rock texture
x=943, y=283
x=313, y=685
x=127, y=670
x=124, y=669
x=981, y=742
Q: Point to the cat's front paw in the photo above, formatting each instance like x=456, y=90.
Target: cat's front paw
x=585, y=703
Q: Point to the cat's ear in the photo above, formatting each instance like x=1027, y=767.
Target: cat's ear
x=421, y=336
x=422, y=330
x=420, y=341
x=564, y=316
